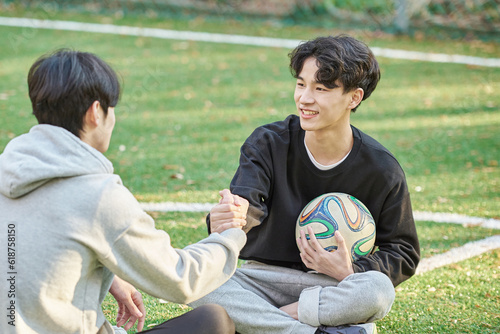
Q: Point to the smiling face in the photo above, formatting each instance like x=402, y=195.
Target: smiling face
x=321, y=108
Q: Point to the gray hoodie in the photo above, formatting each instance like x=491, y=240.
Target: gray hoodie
x=68, y=224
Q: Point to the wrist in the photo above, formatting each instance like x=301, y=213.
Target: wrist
x=349, y=271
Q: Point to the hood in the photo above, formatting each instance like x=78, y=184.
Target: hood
x=45, y=153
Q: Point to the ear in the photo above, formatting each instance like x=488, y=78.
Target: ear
x=356, y=97
x=92, y=115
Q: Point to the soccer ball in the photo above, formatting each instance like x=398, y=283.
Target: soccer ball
x=338, y=211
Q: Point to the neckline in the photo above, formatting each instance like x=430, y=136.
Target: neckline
x=321, y=166
x=342, y=164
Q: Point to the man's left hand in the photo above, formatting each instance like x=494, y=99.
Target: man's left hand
x=335, y=264
x=130, y=305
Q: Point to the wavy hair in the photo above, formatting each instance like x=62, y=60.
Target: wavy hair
x=341, y=59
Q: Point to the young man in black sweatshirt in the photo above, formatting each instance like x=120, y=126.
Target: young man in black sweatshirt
x=286, y=164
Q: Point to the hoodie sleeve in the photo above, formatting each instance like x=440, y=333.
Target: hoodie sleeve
x=143, y=255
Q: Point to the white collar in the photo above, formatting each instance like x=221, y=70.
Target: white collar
x=320, y=166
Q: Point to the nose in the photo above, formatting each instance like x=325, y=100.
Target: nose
x=306, y=96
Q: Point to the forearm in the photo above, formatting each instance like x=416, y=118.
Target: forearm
x=398, y=262
x=177, y=275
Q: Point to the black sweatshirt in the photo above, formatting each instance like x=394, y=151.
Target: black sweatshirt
x=278, y=178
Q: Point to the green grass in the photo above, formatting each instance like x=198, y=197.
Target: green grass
x=459, y=298
x=188, y=106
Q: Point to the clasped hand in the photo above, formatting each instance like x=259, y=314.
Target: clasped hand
x=231, y=211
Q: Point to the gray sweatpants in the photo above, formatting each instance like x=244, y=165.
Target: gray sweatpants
x=253, y=295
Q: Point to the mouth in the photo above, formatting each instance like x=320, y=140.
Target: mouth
x=308, y=112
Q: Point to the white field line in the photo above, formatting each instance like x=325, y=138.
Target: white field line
x=232, y=39
x=458, y=254
x=418, y=215
x=177, y=206
x=455, y=218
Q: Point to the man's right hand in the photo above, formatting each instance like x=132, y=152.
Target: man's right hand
x=229, y=213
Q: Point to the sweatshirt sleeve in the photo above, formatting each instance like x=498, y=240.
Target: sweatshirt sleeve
x=253, y=181
x=143, y=255
x=398, y=251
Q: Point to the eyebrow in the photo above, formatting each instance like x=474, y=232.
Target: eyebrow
x=301, y=78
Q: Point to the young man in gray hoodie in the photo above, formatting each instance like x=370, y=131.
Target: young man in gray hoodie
x=72, y=230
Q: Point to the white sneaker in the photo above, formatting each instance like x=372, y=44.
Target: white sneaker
x=368, y=328
x=119, y=330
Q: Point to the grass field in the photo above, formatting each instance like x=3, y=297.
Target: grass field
x=188, y=106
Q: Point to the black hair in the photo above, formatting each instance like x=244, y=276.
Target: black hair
x=64, y=84
x=339, y=58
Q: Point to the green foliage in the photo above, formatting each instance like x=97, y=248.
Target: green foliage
x=374, y=6
x=459, y=19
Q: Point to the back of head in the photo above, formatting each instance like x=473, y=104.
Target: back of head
x=64, y=84
x=339, y=58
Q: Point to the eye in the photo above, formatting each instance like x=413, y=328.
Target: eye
x=300, y=84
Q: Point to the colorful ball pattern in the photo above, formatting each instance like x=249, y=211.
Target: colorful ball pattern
x=338, y=211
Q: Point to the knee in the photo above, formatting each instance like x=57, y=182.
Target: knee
x=380, y=293
x=220, y=322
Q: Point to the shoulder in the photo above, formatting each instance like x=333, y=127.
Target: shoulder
x=117, y=199
x=280, y=131
x=118, y=212
x=112, y=205
x=369, y=141
x=375, y=155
